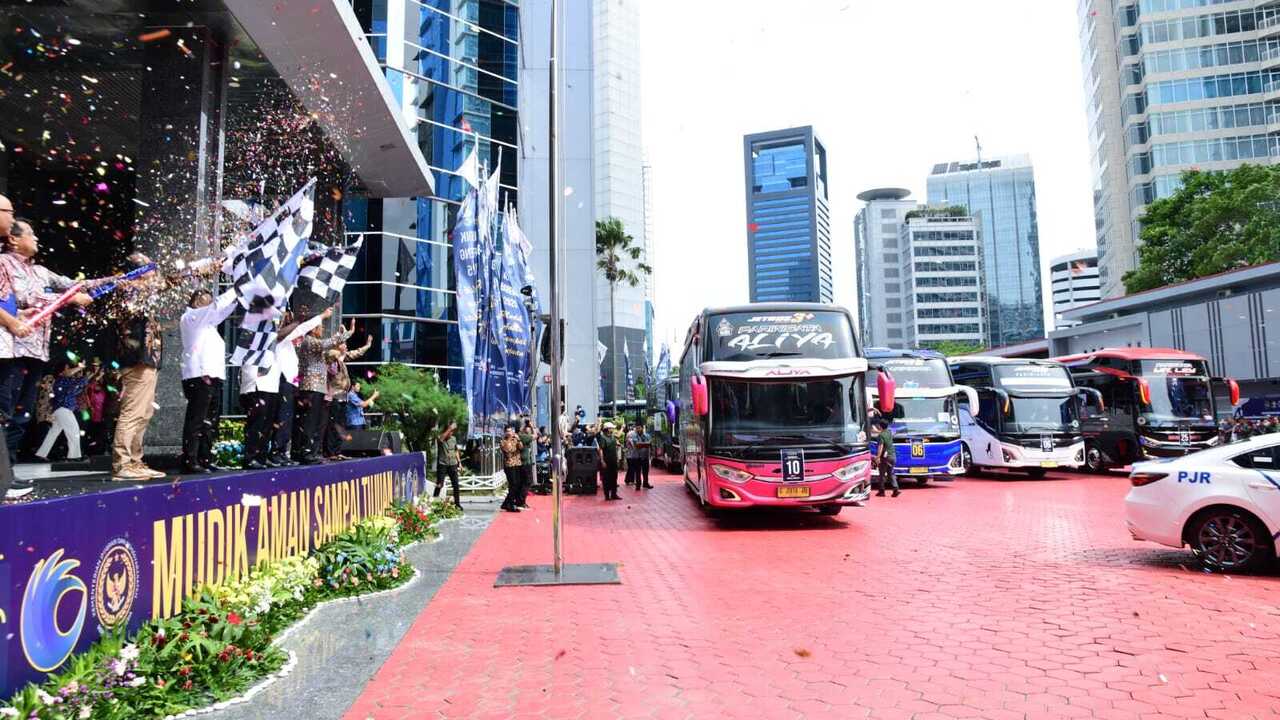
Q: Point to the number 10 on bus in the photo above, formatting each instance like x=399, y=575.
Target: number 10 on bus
x=793, y=465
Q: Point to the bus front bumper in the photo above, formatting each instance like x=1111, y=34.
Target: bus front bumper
x=1071, y=456
x=827, y=491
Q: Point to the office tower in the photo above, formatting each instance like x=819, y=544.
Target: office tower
x=1194, y=85
x=452, y=71
x=1001, y=194
x=1114, y=227
x=1074, y=281
x=619, y=178
x=877, y=254
x=942, y=271
x=788, y=223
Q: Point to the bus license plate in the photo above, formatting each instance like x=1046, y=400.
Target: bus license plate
x=919, y=471
x=793, y=492
x=1048, y=463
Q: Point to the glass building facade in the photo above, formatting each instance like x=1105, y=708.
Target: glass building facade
x=1001, y=195
x=1191, y=84
x=453, y=66
x=788, y=221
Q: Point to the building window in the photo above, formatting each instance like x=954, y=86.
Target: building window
x=889, y=228
x=888, y=214
x=890, y=258
x=778, y=166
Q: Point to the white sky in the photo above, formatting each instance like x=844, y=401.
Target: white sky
x=890, y=86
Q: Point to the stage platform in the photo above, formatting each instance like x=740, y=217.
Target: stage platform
x=81, y=552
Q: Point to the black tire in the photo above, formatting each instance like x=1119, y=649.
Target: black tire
x=966, y=461
x=1228, y=539
x=1093, y=460
x=921, y=482
x=830, y=509
x=1035, y=473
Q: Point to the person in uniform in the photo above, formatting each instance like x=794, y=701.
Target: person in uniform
x=528, y=443
x=447, y=461
x=885, y=459
x=607, y=447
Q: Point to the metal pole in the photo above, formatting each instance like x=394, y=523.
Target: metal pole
x=553, y=277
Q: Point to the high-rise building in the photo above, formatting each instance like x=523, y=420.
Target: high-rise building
x=1001, y=194
x=1194, y=88
x=788, y=222
x=943, y=276
x=1112, y=213
x=878, y=258
x=1074, y=281
x=453, y=71
x=619, y=179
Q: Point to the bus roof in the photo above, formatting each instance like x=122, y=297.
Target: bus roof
x=998, y=360
x=879, y=353
x=774, y=306
x=1129, y=353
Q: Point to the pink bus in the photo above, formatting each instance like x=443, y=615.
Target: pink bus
x=771, y=407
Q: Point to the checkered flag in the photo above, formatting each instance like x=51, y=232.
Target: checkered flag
x=329, y=274
x=264, y=270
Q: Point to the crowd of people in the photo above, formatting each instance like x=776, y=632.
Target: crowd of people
x=299, y=403
x=1238, y=429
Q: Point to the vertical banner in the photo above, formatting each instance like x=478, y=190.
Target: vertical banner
x=469, y=271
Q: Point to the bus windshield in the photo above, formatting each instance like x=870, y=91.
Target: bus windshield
x=747, y=336
x=914, y=372
x=1041, y=414
x=748, y=413
x=1179, y=391
x=925, y=416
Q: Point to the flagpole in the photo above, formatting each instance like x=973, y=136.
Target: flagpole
x=553, y=279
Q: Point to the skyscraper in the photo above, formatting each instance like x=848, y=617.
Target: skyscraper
x=876, y=231
x=1074, y=281
x=619, y=172
x=1001, y=194
x=943, y=275
x=1180, y=84
x=788, y=222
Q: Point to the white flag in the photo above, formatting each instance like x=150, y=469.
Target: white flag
x=469, y=170
x=601, y=351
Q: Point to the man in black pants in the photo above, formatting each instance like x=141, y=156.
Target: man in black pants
x=204, y=367
x=447, y=463
x=886, y=458
x=607, y=447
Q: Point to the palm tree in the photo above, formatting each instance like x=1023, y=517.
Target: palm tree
x=614, y=252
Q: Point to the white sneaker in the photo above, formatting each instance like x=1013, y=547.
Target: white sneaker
x=15, y=493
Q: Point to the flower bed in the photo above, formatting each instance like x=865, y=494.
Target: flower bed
x=221, y=644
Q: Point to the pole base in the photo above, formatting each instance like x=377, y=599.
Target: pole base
x=545, y=575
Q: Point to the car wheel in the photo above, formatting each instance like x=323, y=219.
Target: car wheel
x=830, y=509
x=1228, y=539
x=1035, y=473
x=1093, y=459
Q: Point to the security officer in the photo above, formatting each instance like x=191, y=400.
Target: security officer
x=607, y=446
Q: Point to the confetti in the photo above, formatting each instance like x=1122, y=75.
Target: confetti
x=155, y=35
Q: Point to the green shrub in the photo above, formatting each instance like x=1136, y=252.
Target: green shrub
x=416, y=403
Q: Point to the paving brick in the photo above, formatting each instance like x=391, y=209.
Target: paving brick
x=986, y=598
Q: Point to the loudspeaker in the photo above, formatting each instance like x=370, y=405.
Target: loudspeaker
x=372, y=442
x=583, y=463
x=544, y=345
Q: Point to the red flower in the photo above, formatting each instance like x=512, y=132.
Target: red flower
x=233, y=618
x=186, y=685
x=184, y=671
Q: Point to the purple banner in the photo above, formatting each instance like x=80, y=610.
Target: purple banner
x=71, y=568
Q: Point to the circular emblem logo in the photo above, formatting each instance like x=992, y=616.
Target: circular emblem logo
x=724, y=329
x=115, y=583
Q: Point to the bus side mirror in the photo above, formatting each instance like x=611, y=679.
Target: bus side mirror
x=1003, y=397
x=886, y=387
x=1087, y=393
x=1144, y=391
x=971, y=396
x=698, y=393
x=672, y=412
x=1235, y=391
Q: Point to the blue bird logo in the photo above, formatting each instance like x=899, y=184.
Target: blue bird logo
x=45, y=644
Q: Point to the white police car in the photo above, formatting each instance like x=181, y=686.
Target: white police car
x=1223, y=502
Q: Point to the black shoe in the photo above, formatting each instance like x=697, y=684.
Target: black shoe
x=213, y=467
x=312, y=460
x=254, y=465
x=880, y=494
x=194, y=469
x=648, y=487
x=895, y=494
x=272, y=462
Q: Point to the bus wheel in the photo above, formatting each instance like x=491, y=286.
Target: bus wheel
x=922, y=481
x=1093, y=459
x=966, y=460
x=1035, y=473
x=830, y=509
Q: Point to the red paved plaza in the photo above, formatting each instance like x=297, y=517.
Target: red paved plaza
x=982, y=598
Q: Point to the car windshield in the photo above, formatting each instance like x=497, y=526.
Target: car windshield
x=1179, y=391
x=914, y=372
x=924, y=416
x=1041, y=414
x=752, y=413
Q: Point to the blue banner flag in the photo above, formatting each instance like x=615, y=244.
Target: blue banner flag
x=469, y=270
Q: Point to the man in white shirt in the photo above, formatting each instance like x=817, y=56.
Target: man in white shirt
x=204, y=368
x=262, y=395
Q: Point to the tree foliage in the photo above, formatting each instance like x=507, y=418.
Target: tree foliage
x=417, y=403
x=951, y=348
x=1217, y=221
x=614, y=249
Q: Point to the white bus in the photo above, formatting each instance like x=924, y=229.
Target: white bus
x=1028, y=417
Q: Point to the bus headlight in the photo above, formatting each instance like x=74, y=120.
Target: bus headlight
x=849, y=472
x=731, y=474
